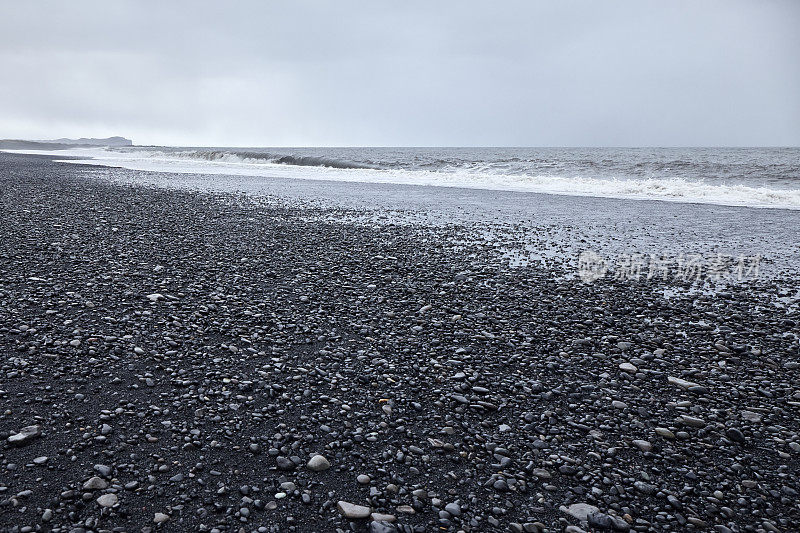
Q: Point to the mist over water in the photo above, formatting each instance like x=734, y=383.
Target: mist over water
x=754, y=177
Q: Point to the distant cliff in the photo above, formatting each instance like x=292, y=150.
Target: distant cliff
x=110, y=141
x=61, y=144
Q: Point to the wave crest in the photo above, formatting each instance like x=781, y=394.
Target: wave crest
x=477, y=175
x=246, y=156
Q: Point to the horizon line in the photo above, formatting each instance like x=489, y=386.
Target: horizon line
x=429, y=146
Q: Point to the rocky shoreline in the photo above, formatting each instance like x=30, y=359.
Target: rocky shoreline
x=181, y=361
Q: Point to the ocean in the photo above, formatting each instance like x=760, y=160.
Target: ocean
x=750, y=177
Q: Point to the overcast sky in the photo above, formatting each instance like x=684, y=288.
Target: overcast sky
x=385, y=73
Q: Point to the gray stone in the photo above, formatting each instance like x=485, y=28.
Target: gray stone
x=95, y=483
x=382, y=526
x=693, y=421
x=453, y=508
x=681, y=383
x=318, y=463
x=353, y=511
x=107, y=500
x=25, y=435
x=664, y=432
x=580, y=511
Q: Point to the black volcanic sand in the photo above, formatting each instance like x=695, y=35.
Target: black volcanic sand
x=183, y=356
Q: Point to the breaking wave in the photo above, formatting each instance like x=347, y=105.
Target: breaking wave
x=767, y=187
x=244, y=156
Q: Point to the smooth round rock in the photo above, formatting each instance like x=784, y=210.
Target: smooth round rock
x=318, y=463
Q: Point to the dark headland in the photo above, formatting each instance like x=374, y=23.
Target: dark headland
x=61, y=144
x=182, y=361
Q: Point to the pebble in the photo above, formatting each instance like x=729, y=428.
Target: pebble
x=736, y=435
x=681, y=383
x=95, y=483
x=692, y=421
x=382, y=526
x=518, y=393
x=453, y=508
x=353, y=511
x=107, y=500
x=285, y=463
x=664, y=432
x=581, y=511
x=24, y=435
x=318, y=463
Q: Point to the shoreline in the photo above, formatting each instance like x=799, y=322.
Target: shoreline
x=188, y=356
x=253, y=176
x=648, y=226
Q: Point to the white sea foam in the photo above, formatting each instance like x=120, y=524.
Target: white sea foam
x=236, y=164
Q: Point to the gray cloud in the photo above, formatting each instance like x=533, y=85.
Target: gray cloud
x=403, y=73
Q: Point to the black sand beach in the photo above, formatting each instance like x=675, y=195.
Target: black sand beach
x=180, y=358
